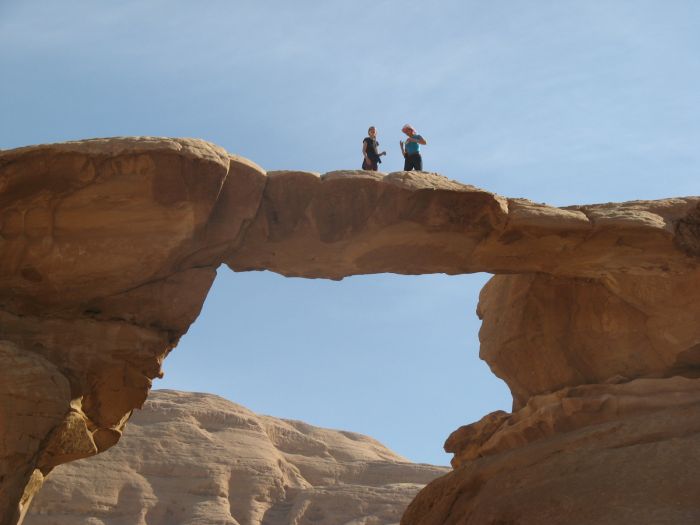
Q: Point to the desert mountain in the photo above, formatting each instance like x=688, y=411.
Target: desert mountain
x=198, y=459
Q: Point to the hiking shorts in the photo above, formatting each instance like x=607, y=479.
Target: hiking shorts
x=369, y=165
x=413, y=162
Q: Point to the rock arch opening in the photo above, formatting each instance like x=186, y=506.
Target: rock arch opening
x=394, y=357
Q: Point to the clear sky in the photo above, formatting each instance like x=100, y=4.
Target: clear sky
x=559, y=101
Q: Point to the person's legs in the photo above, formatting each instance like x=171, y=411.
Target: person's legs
x=418, y=162
x=369, y=166
x=413, y=162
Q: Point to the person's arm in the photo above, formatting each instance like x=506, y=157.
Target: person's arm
x=376, y=149
x=403, y=152
x=417, y=138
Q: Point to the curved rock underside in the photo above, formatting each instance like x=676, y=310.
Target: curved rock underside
x=197, y=459
x=108, y=248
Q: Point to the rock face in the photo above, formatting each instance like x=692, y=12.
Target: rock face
x=192, y=458
x=108, y=248
x=587, y=465
x=95, y=238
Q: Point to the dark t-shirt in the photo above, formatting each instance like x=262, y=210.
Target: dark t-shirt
x=372, y=151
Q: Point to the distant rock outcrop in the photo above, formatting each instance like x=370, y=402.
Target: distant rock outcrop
x=197, y=459
x=108, y=248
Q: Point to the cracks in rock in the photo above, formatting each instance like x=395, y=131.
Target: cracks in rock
x=247, y=223
x=687, y=233
x=607, y=283
x=583, y=209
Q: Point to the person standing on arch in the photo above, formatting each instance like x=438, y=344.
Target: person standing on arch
x=411, y=152
x=370, y=152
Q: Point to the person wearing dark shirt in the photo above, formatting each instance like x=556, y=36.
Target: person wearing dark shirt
x=370, y=151
x=411, y=153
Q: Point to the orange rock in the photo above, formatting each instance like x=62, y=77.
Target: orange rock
x=638, y=466
x=541, y=333
x=108, y=248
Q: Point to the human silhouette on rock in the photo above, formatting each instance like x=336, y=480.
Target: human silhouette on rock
x=411, y=151
x=370, y=151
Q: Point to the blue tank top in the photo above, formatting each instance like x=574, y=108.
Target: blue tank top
x=413, y=147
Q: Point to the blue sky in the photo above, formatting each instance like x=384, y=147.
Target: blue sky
x=558, y=101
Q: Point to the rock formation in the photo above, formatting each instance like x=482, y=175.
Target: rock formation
x=191, y=459
x=108, y=248
x=594, y=454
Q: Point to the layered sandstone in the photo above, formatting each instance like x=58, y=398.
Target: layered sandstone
x=108, y=248
x=633, y=467
x=192, y=458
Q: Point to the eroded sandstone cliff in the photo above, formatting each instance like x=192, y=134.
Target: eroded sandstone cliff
x=197, y=459
x=108, y=248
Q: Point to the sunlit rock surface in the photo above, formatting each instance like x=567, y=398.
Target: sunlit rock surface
x=636, y=467
x=108, y=248
x=190, y=458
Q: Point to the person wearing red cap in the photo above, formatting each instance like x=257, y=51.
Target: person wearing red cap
x=411, y=152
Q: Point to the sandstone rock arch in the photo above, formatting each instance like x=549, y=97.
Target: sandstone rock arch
x=592, y=316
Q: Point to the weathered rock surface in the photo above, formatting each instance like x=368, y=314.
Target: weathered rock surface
x=639, y=467
x=108, y=248
x=344, y=223
x=541, y=333
x=190, y=458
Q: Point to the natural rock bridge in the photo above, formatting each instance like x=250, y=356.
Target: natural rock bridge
x=108, y=248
